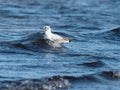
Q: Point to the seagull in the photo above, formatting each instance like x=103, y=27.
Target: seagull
x=54, y=37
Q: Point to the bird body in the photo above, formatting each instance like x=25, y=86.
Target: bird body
x=53, y=37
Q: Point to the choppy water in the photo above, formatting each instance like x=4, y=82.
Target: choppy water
x=90, y=62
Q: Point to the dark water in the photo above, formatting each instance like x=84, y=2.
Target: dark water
x=90, y=62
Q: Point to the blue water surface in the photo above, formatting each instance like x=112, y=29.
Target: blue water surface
x=92, y=57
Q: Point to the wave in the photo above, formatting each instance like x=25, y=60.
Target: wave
x=93, y=64
x=53, y=83
x=110, y=75
x=116, y=30
x=33, y=42
x=57, y=82
x=113, y=34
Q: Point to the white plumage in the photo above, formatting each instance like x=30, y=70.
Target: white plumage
x=53, y=37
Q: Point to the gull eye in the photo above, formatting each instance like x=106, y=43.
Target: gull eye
x=45, y=28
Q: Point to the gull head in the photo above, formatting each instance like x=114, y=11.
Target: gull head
x=46, y=28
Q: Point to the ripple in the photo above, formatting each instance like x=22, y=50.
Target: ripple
x=117, y=30
x=110, y=75
x=83, y=78
x=94, y=64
